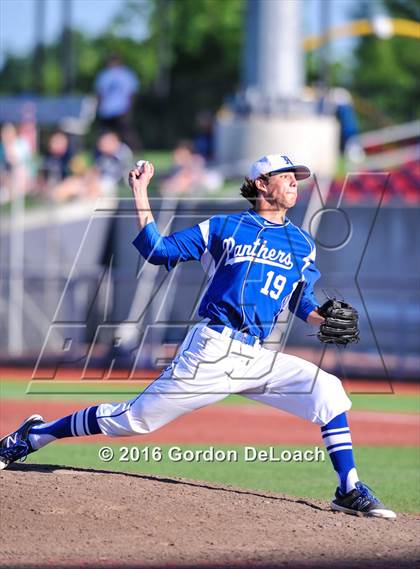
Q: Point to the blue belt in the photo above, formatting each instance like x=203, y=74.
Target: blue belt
x=235, y=335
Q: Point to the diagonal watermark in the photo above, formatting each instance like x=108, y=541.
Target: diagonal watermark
x=132, y=341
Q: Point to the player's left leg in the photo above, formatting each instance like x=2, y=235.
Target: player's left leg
x=34, y=433
x=163, y=401
x=301, y=388
x=198, y=376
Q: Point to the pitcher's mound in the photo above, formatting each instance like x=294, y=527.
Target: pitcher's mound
x=63, y=517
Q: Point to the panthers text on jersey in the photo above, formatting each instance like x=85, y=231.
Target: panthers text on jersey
x=254, y=267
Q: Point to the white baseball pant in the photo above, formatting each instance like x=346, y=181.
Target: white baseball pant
x=208, y=367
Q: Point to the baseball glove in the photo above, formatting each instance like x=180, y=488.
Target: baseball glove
x=341, y=323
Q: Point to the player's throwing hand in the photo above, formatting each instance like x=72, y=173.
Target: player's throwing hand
x=139, y=177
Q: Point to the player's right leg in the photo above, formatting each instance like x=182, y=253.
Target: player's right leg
x=197, y=377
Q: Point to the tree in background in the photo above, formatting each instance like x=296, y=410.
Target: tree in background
x=188, y=60
x=196, y=48
x=187, y=54
x=385, y=74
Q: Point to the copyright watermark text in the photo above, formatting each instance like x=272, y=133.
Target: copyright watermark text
x=210, y=454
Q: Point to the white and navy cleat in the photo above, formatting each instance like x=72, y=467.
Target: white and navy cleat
x=361, y=501
x=15, y=445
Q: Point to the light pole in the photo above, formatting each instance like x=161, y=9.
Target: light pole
x=39, y=55
x=67, y=54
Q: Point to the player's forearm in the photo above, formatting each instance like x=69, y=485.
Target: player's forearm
x=143, y=209
x=314, y=319
x=139, y=179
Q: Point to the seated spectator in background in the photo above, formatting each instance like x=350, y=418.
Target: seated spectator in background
x=112, y=161
x=116, y=87
x=56, y=164
x=16, y=164
x=74, y=186
x=28, y=127
x=186, y=172
x=189, y=173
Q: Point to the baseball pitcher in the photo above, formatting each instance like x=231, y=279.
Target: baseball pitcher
x=257, y=263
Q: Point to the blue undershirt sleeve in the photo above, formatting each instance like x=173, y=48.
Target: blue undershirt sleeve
x=185, y=245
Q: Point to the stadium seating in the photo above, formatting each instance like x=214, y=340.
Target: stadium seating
x=403, y=184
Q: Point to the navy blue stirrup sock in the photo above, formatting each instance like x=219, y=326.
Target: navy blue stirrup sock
x=78, y=424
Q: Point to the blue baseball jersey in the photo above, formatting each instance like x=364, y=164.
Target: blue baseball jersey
x=255, y=268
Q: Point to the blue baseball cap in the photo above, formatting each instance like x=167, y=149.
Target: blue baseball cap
x=278, y=163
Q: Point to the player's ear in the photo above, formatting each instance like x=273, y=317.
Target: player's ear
x=261, y=185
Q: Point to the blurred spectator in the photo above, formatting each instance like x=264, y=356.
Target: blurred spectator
x=337, y=101
x=28, y=127
x=203, y=141
x=189, y=174
x=112, y=160
x=76, y=185
x=15, y=164
x=56, y=164
x=346, y=115
x=116, y=87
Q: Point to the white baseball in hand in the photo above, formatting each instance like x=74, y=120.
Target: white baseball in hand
x=140, y=165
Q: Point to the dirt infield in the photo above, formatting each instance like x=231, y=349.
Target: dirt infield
x=83, y=518
x=237, y=424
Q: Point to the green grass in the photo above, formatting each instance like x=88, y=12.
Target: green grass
x=386, y=403
x=161, y=159
x=115, y=391
x=393, y=472
x=68, y=391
